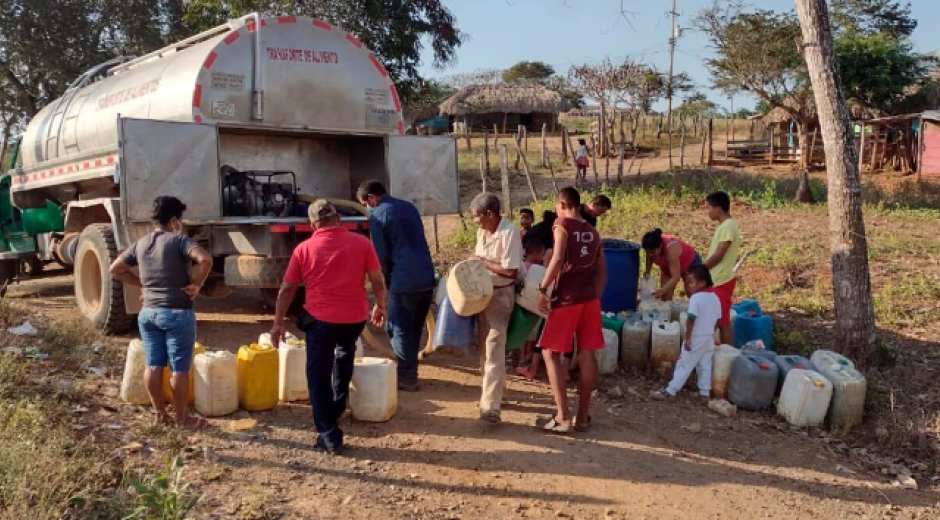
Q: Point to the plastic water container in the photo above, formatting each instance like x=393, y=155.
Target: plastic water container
x=788, y=363
x=198, y=348
x=722, y=361
x=750, y=324
x=648, y=287
x=608, y=357
x=257, y=377
x=822, y=358
x=665, y=345
x=453, y=330
x=623, y=275
x=133, y=389
x=753, y=382
x=521, y=323
x=441, y=291
x=469, y=287
x=528, y=298
x=805, y=398
x=678, y=307
x=373, y=392
x=292, y=372
x=635, y=343
x=216, y=383
x=654, y=310
x=612, y=322
x=848, y=394
x=756, y=347
x=683, y=320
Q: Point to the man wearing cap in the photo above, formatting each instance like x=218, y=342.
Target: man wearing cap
x=332, y=264
x=398, y=236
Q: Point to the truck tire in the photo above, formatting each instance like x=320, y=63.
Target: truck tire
x=100, y=296
x=259, y=272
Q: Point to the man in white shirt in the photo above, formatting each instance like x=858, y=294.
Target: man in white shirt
x=500, y=247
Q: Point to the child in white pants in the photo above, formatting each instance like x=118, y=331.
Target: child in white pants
x=699, y=342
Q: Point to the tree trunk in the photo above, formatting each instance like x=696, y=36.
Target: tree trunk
x=602, y=129
x=802, y=137
x=851, y=280
x=594, y=159
x=577, y=176
x=803, y=193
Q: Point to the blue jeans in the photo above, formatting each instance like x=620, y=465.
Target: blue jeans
x=406, y=316
x=331, y=353
x=169, y=337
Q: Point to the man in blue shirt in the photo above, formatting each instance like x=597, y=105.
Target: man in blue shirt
x=398, y=236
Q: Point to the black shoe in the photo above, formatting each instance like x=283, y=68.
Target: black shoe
x=409, y=387
x=321, y=446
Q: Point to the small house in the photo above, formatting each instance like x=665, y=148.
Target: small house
x=505, y=105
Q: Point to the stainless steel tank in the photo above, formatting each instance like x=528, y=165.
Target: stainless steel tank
x=293, y=73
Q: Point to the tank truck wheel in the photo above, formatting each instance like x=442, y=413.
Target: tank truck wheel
x=100, y=297
x=259, y=272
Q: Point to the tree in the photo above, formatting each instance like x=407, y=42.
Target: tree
x=600, y=82
x=528, y=71
x=888, y=17
x=641, y=87
x=757, y=52
x=563, y=86
x=877, y=70
x=851, y=280
x=395, y=30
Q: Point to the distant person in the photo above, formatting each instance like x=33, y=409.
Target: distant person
x=543, y=233
x=595, y=209
x=578, y=272
x=698, y=345
x=333, y=265
x=531, y=357
x=526, y=219
x=673, y=257
x=167, y=321
x=398, y=236
x=581, y=159
x=500, y=248
x=722, y=255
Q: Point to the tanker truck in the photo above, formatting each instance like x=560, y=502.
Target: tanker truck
x=246, y=123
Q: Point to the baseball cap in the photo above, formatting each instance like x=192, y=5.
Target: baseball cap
x=321, y=209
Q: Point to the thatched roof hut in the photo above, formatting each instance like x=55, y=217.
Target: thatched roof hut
x=503, y=99
x=518, y=104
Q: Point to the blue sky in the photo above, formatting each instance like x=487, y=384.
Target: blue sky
x=564, y=32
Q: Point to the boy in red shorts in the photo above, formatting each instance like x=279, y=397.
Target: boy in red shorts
x=722, y=256
x=578, y=272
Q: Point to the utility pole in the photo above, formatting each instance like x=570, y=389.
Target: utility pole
x=672, y=52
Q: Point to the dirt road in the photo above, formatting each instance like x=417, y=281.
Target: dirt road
x=641, y=459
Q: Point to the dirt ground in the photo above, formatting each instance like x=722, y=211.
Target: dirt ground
x=641, y=458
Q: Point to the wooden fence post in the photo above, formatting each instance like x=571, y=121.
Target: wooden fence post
x=710, y=149
x=525, y=137
x=861, y=149
x=577, y=177
x=551, y=170
x=772, y=137
x=437, y=240
x=528, y=175
x=519, y=130
x=504, y=176
x=623, y=150
x=564, y=144
x=466, y=131
x=682, y=148
x=495, y=136
x=594, y=159
x=544, y=144
x=486, y=150
x=483, y=174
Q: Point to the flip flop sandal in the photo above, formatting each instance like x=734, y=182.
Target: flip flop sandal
x=578, y=427
x=553, y=426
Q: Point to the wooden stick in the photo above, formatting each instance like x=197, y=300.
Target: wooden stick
x=594, y=157
x=551, y=170
x=466, y=132
x=623, y=151
x=525, y=137
x=486, y=150
x=701, y=159
x=495, y=136
x=710, y=150
x=682, y=148
x=528, y=175
x=636, y=151
x=771, y=145
x=564, y=144
x=544, y=144
x=504, y=173
x=519, y=130
x=483, y=174
x=577, y=176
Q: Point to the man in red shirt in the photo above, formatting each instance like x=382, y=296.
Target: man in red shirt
x=578, y=272
x=332, y=264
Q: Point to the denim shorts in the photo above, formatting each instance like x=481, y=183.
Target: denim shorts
x=169, y=337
